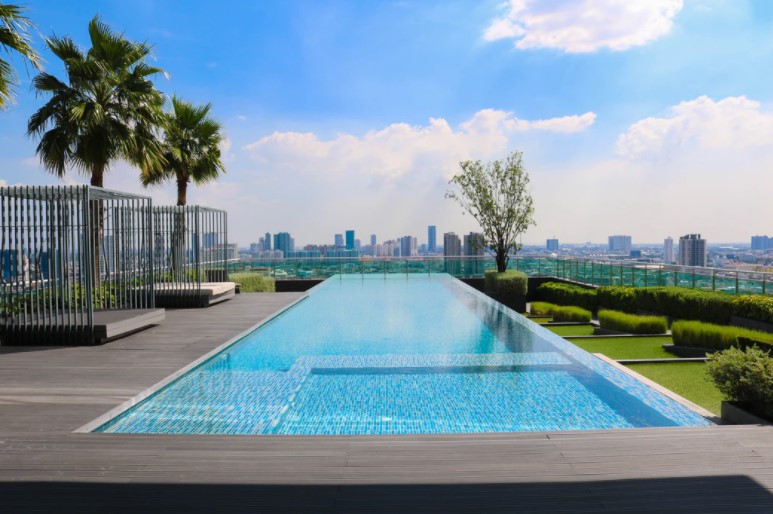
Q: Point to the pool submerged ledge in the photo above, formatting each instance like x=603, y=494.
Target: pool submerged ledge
x=395, y=355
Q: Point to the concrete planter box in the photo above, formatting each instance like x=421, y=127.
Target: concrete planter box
x=734, y=414
x=517, y=303
x=688, y=351
x=751, y=324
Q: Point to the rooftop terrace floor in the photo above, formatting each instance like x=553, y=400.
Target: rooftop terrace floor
x=46, y=393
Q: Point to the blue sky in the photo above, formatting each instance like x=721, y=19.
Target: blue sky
x=648, y=118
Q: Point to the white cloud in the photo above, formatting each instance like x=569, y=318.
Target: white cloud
x=400, y=148
x=733, y=123
x=581, y=26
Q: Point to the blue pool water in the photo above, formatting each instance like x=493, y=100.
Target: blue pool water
x=400, y=355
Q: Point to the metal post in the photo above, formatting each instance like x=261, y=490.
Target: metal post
x=736, y=282
x=713, y=280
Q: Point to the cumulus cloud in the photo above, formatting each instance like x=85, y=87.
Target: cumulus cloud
x=581, y=26
x=400, y=148
x=733, y=123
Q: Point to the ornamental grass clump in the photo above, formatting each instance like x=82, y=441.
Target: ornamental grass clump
x=745, y=376
x=253, y=282
x=631, y=323
x=718, y=337
x=568, y=294
x=754, y=306
x=571, y=313
x=542, y=309
x=617, y=298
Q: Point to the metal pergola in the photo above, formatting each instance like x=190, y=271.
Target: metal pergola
x=190, y=249
x=76, y=264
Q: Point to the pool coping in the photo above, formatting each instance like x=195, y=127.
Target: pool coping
x=661, y=389
x=131, y=402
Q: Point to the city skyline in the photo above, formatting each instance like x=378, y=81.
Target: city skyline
x=640, y=118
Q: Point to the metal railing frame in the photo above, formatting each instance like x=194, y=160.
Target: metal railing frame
x=589, y=271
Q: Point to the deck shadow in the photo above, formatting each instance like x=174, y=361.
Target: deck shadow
x=730, y=493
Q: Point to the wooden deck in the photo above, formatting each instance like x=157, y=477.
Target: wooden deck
x=46, y=393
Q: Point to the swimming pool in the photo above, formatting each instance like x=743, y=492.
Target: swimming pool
x=400, y=354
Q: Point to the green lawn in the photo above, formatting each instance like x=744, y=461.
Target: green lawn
x=569, y=330
x=687, y=379
x=627, y=347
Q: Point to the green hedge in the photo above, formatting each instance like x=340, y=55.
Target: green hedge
x=567, y=294
x=717, y=337
x=253, y=282
x=683, y=303
x=571, y=313
x=677, y=302
x=542, y=308
x=618, y=298
x=754, y=306
x=746, y=376
x=631, y=323
x=507, y=283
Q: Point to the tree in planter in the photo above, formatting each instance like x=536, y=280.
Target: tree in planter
x=496, y=195
x=107, y=110
x=192, y=153
x=14, y=36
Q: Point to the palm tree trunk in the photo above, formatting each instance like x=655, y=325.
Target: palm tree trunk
x=97, y=231
x=178, y=235
x=182, y=190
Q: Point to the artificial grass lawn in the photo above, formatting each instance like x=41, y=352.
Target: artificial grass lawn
x=688, y=379
x=570, y=330
x=626, y=347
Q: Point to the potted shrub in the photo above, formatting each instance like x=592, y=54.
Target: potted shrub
x=745, y=376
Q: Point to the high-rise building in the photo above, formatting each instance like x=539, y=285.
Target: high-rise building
x=474, y=246
x=762, y=243
x=452, y=247
x=339, y=240
x=284, y=242
x=373, y=239
x=350, y=239
x=357, y=244
x=620, y=244
x=432, y=239
x=267, y=242
x=552, y=245
x=668, y=250
x=692, y=250
x=408, y=246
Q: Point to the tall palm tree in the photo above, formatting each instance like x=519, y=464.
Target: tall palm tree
x=14, y=36
x=108, y=109
x=192, y=153
x=191, y=148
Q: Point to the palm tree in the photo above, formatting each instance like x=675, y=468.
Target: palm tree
x=192, y=153
x=106, y=111
x=110, y=109
x=191, y=148
x=14, y=35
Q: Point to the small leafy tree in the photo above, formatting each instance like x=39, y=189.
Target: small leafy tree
x=496, y=194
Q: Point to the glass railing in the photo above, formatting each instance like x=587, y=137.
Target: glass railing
x=586, y=271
